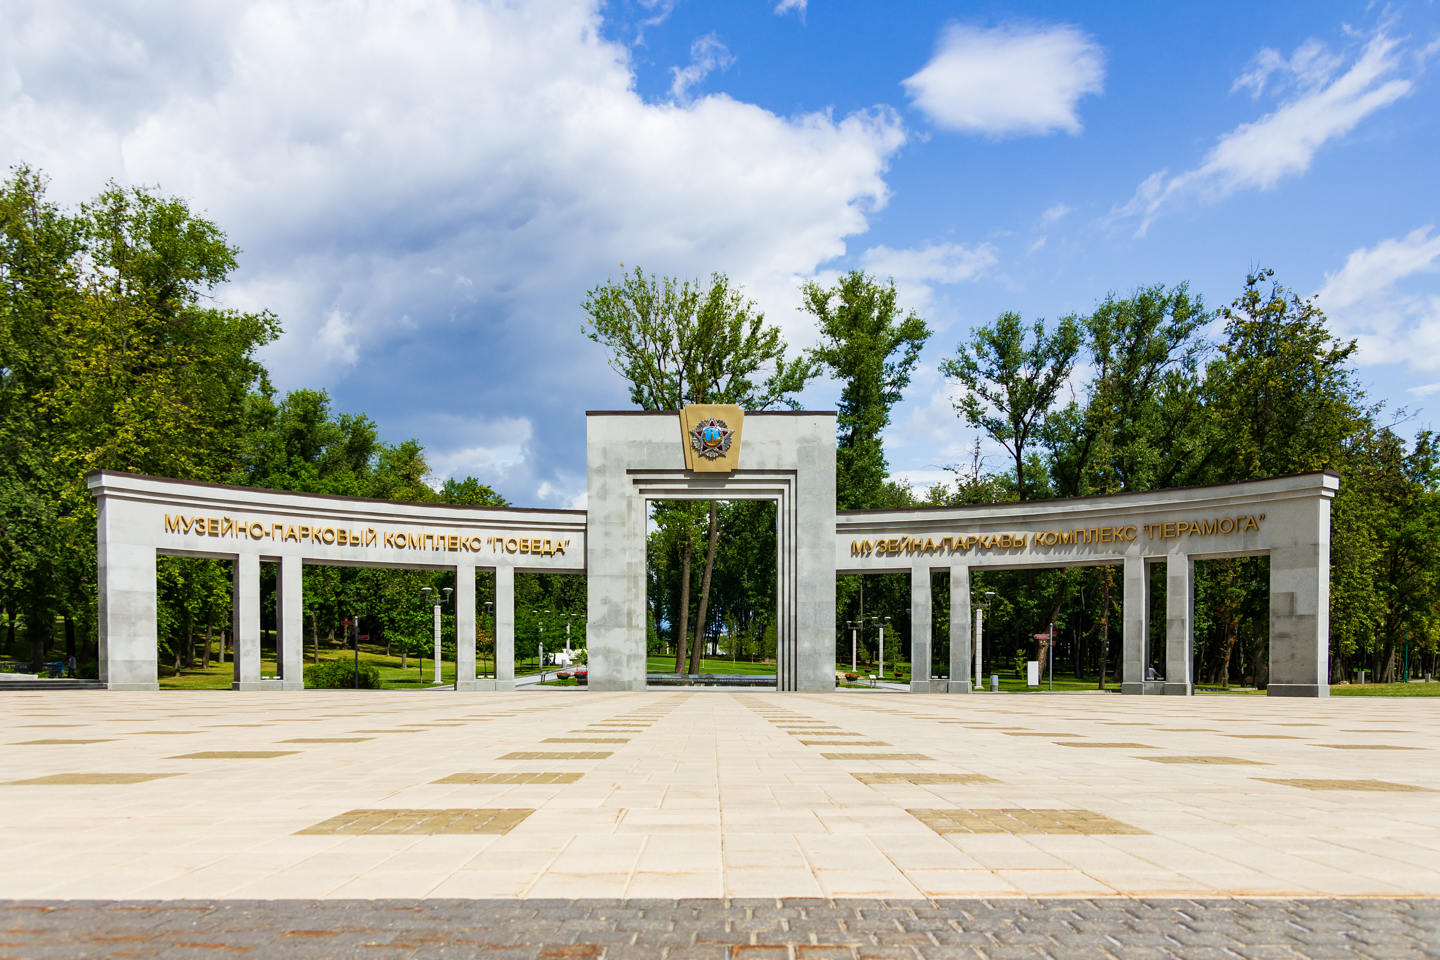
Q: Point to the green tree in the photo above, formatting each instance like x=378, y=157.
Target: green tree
x=679, y=342
x=872, y=350
x=114, y=356
x=1010, y=385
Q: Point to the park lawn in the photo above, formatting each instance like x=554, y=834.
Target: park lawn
x=1385, y=690
x=221, y=675
x=667, y=665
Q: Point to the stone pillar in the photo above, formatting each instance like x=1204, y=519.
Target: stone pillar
x=465, y=627
x=290, y=620
x=128, y=633
x=919, y=629
x=1135, y=620
x=504, y=628
x=245, y=622
x=960, y=666
x=1179, y=625
x=1300, y=608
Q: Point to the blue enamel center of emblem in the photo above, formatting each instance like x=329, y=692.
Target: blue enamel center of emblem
x=711, y=436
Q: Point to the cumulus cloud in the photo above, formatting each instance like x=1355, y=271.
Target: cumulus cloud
x=424, y=191
x=1281, y=144
x=1393, y=321
x=916, y=271
x=1009, y=80
x=786, y=6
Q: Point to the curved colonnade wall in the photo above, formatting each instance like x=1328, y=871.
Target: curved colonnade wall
x=141, y=517
x=636, y=457
x=1285, y=518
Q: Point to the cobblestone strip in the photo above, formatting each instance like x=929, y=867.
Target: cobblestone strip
x=1110, y=929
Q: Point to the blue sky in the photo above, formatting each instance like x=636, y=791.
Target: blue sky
x=423, y=191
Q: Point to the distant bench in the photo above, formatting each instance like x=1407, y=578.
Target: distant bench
x=710, y=680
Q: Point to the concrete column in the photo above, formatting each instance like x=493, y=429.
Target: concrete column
x=128, y=633
x=245, y=622
x=290, y=637
x=919, y=629
x=504, y=628
x=465, y=627
x=1300, y=609
x=960, y=630
x=1135, y=619
x=1179, y=625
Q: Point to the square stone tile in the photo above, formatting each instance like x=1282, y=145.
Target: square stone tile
x=234, y=755
x=92, y=779
x=1180, y=758
x=558, y=755
x=1375, y=786
x=420, y=822
x=506, y=778
x=1020, y=821
x=924, y=779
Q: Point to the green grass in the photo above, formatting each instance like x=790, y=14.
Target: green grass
x=1385, y=690
x=220, y=675
x=667, y=665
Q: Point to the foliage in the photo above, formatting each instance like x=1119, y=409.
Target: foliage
x=1010, y=385
x=677, y=342
x=872, y=350
x=342, y=674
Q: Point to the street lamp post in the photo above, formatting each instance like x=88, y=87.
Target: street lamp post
x=439, y=601
x=541, y=624
x=980, y=609
x=568, y=618
x=880, y=652
x=853, y=625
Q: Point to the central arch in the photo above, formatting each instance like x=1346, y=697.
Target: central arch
x=635, y=457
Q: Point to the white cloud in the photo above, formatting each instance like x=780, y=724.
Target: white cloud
x=1055, y=214
x=917, y=271
x=1281, y=144
x=937, y=263
x=1309, y=66
x=1009, y=80
x=785, y=6
x=424, y=191
x=337, y=338
x=1392, y=321
x=707, y=54
x=1376, y=270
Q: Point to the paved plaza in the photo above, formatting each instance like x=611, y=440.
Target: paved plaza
x=817, y=806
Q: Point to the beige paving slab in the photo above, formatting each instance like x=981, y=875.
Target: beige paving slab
x=717, y=794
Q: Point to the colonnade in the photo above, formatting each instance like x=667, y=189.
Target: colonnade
x=1179, y=629
x=290, y=637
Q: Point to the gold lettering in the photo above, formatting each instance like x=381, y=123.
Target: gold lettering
x=511, y=545
x=1250, y=524
x=1227, y=525
x=172, y=524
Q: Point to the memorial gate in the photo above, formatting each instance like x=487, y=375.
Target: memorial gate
x=704, y=453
